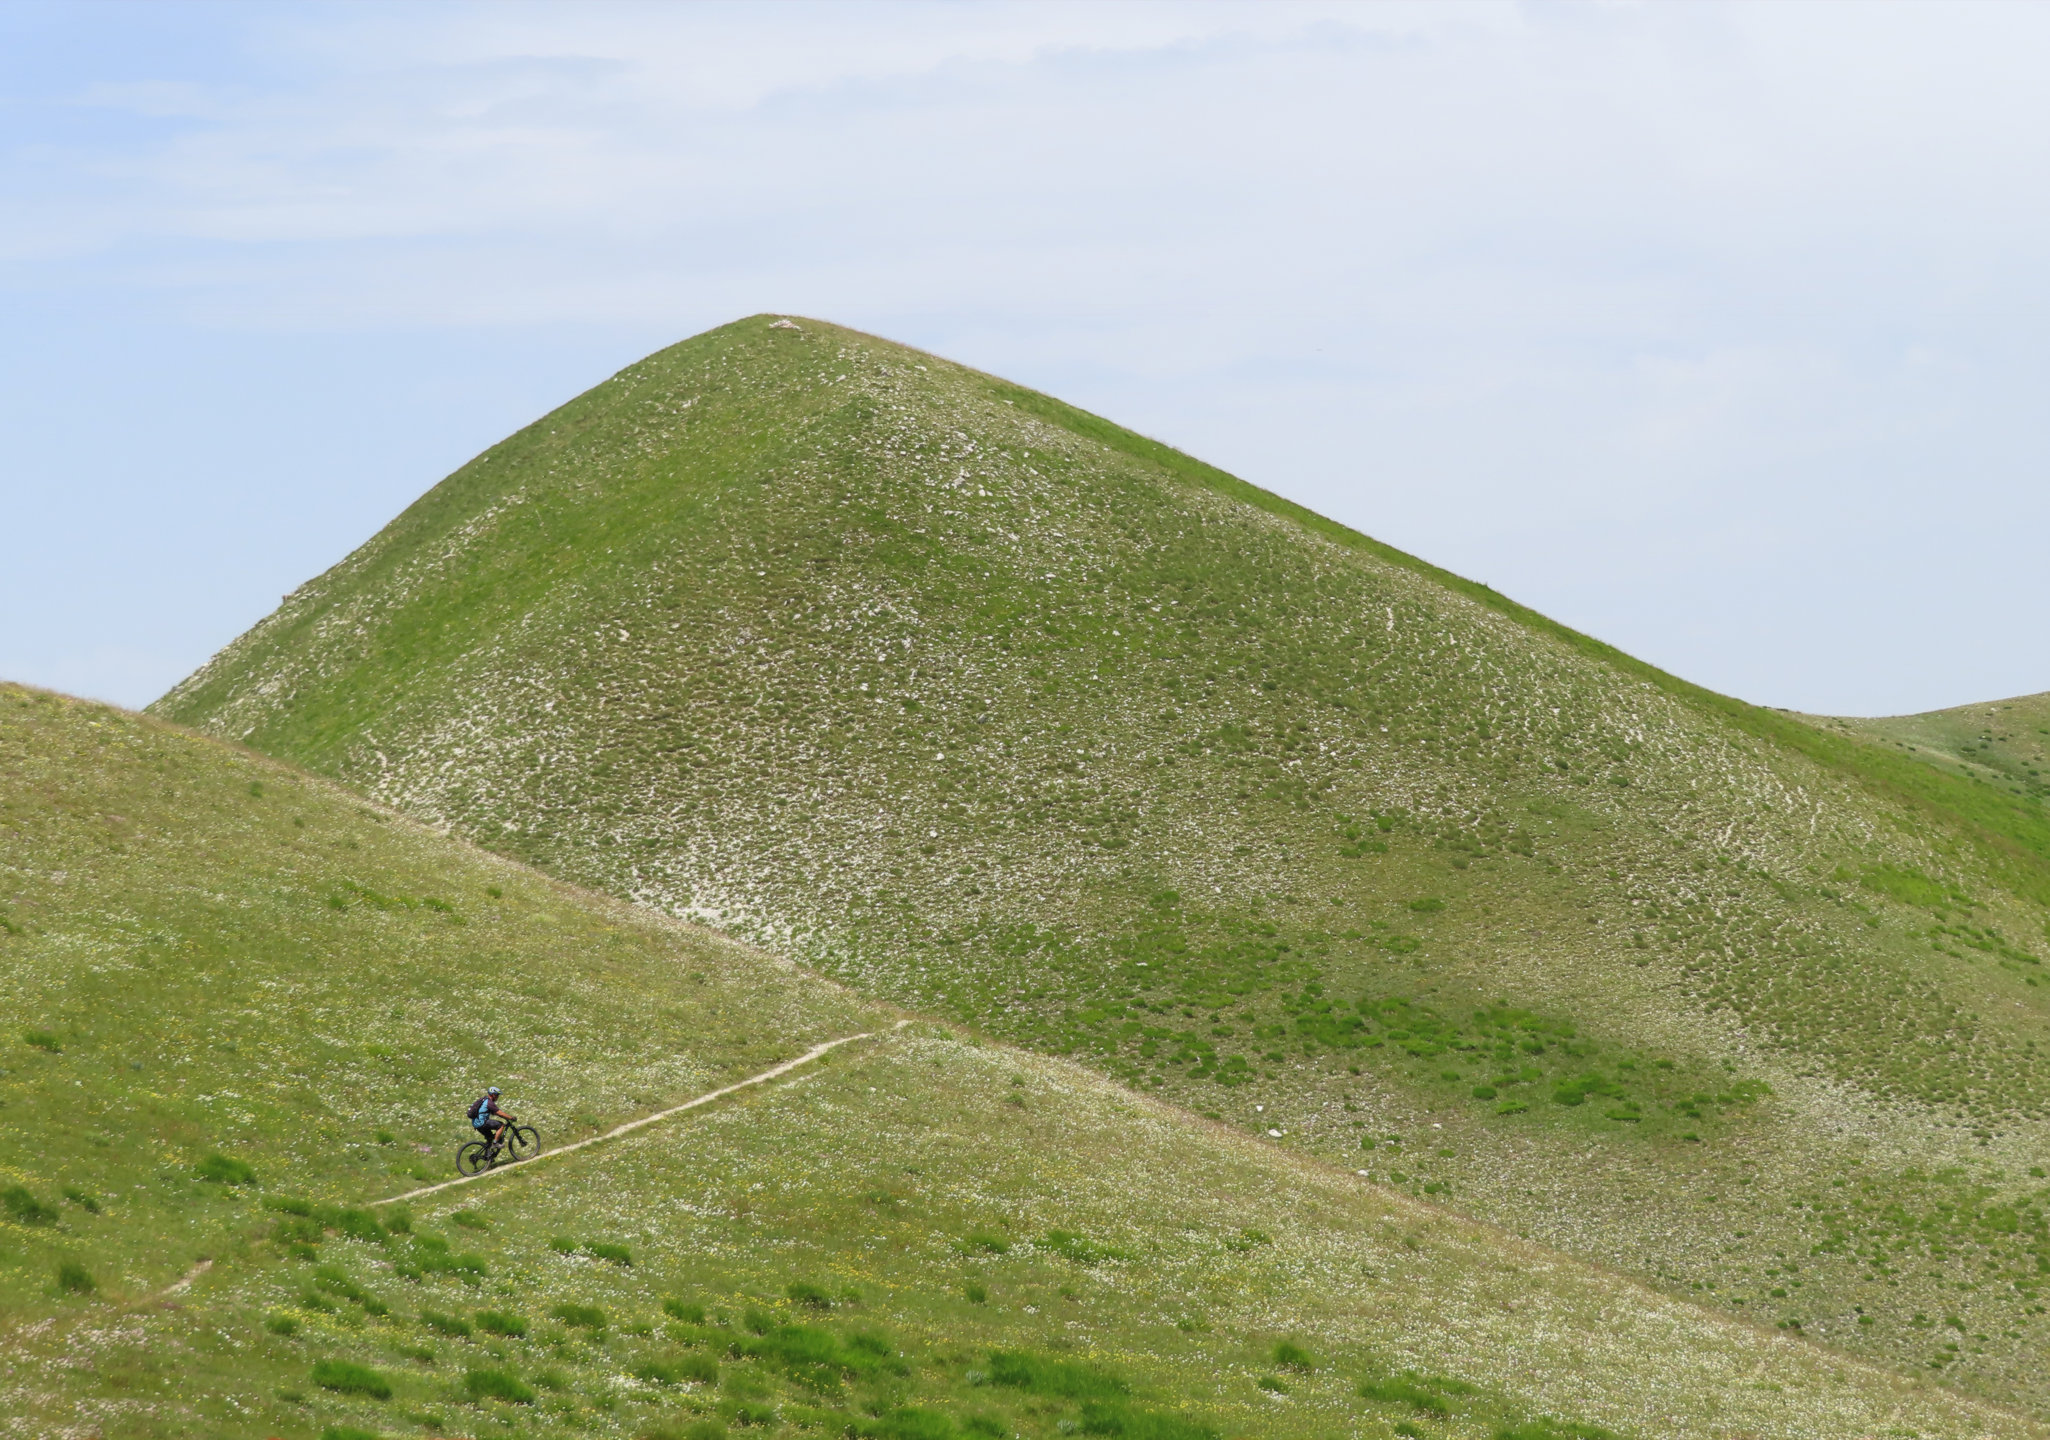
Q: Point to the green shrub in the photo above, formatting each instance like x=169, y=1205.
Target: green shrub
x=1484, y=1092
x=810, y=1295
x=23, y=1207
x=224, y=1171
x=1290, y=1356
x=586, y=1317
x=74, y=1279
x=820, y=1358
x=469, y=1220
x=596, y=1249
x=1070, y=1246
x=977, y=1293
x=348, y=1378
x=758, y=1320
x=282, y=1325
x=43, y=1040
x=982, y=1242
x=498, y=1322
x=1408, y=1389
x=446, y=1324
x=347, y=1432
x=82, y=1199
x=1039, y=1375
x=1272, y=1385
x=763, y=1415
x=497, y=1385
x=684, y=1311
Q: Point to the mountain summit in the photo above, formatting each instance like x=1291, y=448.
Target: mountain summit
x=987, y=706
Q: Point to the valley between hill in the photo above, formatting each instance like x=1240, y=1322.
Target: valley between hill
x=987, y=707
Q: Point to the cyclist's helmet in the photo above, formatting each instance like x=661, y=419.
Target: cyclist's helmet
x=492, y=1091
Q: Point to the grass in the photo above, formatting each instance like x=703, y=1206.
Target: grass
x=986, y=706
x=856, y=1179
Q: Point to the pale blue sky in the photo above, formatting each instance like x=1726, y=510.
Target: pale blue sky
x=1718, y=331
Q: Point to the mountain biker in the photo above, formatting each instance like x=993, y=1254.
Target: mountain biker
x=486, y=1118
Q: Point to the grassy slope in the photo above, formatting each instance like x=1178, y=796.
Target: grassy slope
x=217, y=955
x=1996, y=748
x=988, y=706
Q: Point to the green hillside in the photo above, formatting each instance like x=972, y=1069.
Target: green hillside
x=2000, y=745
x=245, y=1006
x=990, y=708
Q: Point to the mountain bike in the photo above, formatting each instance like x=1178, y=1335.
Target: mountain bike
x=514, y=1142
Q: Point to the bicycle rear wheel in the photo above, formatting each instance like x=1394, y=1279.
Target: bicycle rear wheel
x=521, y=1142
x=474, y=1158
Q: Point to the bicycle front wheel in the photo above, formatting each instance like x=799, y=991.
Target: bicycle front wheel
x=521, y=1143
x=474, y=1158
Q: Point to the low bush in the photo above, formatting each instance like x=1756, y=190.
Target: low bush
x=1040, y=1375
x=596, y=1249
x=818, y=1357
x=469, y=1220
x=82, y=1199
x=977, y=1293
x=684, y=1311
x=497, y=1385
x=222, y=1170
x=498, y=1322
x=1419, y=1392
x=42, y=1040
x=1082, y=1251
x=346, y=1377
x=585, y=1317
x=1290, y=1356
x=74, y=1279
x=282, y=1325
x=348, y=1432
x=810, y=1295
x=447, y=1324
x=982, y=1242
x=23, y=1208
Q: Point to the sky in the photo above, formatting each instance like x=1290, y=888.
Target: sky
x=1721, y=332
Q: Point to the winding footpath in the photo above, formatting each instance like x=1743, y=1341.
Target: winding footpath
x=618, y=1130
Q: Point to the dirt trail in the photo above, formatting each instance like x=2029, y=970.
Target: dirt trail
x=618, y=1130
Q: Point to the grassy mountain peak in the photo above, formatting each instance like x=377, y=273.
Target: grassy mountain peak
x=984, y=705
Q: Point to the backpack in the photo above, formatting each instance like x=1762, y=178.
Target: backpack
x=478, y=1107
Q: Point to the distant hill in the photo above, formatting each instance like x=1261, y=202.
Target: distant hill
x=244, y=1005
x=2001, y=744
x=991, y=708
